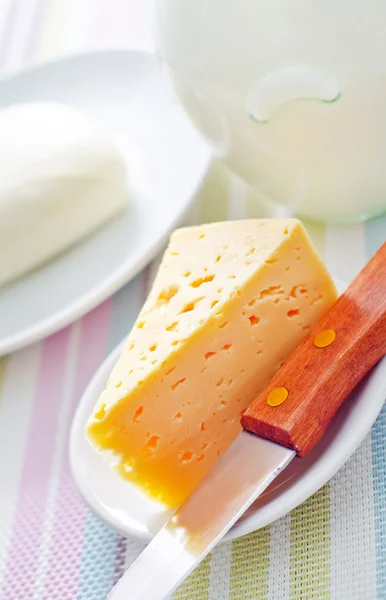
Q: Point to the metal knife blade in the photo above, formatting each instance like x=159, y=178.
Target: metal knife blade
x=236, y=480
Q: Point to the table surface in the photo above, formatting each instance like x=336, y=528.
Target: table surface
x=51, y=546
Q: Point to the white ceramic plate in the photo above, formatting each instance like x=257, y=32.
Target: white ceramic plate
x=167, y=159
x=122, y=507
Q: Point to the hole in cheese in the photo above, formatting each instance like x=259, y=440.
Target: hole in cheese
x=318, y=298
x=175, y=385
x=167, y=294
x=187, y=456
x=137, y=414
x=298, y=289
x=272, y=290
x=101, y=412
x=151, y=445
x=201, y=280
x=191, y=305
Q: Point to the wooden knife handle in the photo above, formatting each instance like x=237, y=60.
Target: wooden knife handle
x=300, y=401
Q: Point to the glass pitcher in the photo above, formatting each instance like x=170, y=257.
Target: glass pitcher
x=291, y=94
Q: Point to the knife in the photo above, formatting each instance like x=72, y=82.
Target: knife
x=287, y=419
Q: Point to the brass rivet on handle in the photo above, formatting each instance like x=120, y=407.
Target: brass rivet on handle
x=324, y=338
x=277, y=396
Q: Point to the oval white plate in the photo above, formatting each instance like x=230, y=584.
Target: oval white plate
x=122, y=507
x=167, y=159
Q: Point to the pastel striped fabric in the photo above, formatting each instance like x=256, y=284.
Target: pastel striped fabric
x=51, y=546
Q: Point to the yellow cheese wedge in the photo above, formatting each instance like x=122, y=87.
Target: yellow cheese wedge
x=231, y=301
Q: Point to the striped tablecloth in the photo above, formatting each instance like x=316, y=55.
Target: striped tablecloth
x=51, y=546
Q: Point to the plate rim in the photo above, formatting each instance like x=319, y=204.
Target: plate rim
x=122, y=276
x=273, y=510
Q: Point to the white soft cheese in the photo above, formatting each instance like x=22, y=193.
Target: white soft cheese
x=61, y=178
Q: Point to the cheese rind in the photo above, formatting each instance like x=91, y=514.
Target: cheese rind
x=230, y=303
